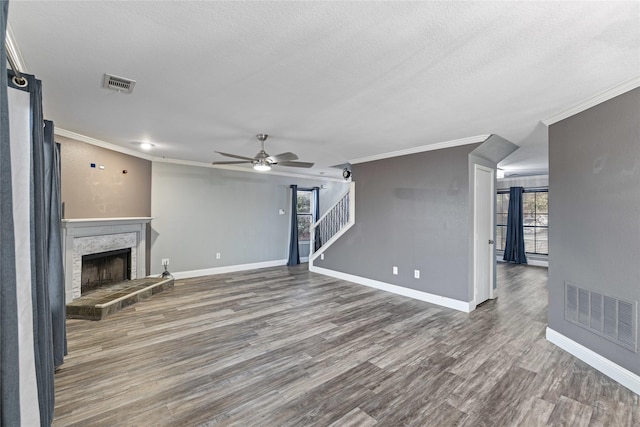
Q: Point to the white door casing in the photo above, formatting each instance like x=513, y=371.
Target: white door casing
x=483, y=224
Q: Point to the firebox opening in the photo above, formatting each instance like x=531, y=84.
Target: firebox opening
x=105, y=267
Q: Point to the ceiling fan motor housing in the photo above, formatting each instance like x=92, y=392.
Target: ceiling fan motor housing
x=264, y=160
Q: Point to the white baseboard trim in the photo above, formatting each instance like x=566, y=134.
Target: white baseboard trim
x=590, y=357
x=538, y=262
x=399, y=290
x=228, y=269
x=532, y=262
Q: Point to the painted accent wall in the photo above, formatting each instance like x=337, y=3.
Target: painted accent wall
x=200, y=211
x=594, y=214
x=411, y=212
x=103, y=193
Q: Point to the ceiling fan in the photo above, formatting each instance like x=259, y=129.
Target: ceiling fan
x=263, y=161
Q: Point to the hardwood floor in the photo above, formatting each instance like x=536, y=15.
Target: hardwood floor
x=285, y=347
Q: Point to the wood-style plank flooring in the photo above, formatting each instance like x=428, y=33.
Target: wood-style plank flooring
x=286, y=347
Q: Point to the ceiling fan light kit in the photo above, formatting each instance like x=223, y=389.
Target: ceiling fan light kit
x=262, y=161
x=262, y=166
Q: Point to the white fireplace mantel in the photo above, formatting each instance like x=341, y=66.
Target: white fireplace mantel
x=85, y=236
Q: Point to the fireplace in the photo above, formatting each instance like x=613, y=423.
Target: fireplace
x=104, y=268
x=82, y=237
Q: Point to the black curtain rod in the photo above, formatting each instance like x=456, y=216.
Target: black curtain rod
x=306, y=188
x=526, y=189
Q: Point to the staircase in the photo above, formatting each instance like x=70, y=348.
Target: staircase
x=333, y=224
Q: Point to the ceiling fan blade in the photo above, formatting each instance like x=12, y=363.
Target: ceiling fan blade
x=232, y=163
x=283, y=157
x=235, y=156
x=296, y=164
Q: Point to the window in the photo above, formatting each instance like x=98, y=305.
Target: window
x=304, y=215
x=502, y=210
x=535, y=212
x=305, y=219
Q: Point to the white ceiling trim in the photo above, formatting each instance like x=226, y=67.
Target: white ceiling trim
x=275, y=172
x=599, y=98
x=246, y=170
x=422, y=148
x=14, y=51
x=107, y=145
x=100, y=143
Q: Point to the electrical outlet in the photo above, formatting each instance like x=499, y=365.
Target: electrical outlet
x=395, y=270
x=165, y=261
x=416, y=274
x=218, y=255
x=321, y=256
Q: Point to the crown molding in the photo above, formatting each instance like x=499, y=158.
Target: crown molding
x=14, y=51
x=109, y=146
x=100, y=143
x=421, y=149
x=599, y=98
x=275, y=172
x=245, y=170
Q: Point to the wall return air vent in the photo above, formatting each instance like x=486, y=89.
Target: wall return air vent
x=120, y=84
x=612, y=318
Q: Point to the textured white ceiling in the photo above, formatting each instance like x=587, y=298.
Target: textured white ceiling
x=330, y=81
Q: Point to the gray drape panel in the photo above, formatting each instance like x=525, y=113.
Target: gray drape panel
x=55, y=275
x=294, y=253
x=317, y=243
x=9, y=356
x=40, y=213
x=514, y=248
x=31, y=274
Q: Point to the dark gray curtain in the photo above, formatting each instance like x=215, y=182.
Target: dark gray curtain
x=9, y=355
x=32, y=308
x=55, y=275
x=40, y=213
x=316, y=216
x=514, y=248
x=294, y=254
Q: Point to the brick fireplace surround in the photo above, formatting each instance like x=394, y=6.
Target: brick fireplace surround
x=95, y=235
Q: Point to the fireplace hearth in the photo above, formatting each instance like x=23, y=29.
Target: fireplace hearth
x=104, y=268
x=95, y=235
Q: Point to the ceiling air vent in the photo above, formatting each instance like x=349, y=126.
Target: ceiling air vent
x=120, y=84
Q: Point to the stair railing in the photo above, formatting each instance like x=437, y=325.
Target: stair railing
x=334, y=223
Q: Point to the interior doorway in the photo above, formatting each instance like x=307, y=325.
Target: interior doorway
x=483, y=231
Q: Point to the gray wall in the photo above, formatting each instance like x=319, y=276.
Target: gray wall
x=199, y=211
x=411, y=212
x=594, y=213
